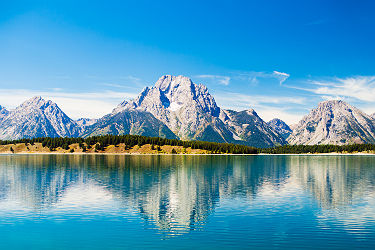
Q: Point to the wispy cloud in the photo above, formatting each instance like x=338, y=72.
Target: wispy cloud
x=357, y=90
x=361, y=88
x=224, y=80
x=117, y=81
x=254, y=77
x=114, y=85
x=75, y=105
x=281, y=76
x=132, y=79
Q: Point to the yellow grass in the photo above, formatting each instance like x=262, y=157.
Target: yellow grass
x=111, y=149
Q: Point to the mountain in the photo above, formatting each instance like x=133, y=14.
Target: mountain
x=191, y=113
x=248, y=128
x=334, y=122
x=133, y=122
x=281, y=127
x=37, y=117
x=186, y=108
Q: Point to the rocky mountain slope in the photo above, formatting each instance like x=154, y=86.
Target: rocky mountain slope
x=281, y=127
x=3, y=113
x=248, y=128
x=334, y=122
x=36, y=117
x=133, y=122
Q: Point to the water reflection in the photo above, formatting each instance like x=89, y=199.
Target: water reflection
x=179, y=193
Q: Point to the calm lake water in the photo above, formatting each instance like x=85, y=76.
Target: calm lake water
x=221, y=202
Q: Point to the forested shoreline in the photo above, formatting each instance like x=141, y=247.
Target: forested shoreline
x=101, y=143
x=318, y=149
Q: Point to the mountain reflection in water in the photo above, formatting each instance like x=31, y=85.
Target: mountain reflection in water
x=177, y=194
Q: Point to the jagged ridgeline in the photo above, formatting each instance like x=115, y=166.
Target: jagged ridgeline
x=127, y=142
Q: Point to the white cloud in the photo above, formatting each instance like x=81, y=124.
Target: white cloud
x=358, y=90
x=224, y=80
x=114, y=85
x=254, y=76
x=281, y=76
x=75, y=105
x=361, y=88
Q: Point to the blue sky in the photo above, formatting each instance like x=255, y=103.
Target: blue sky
x=279, y=57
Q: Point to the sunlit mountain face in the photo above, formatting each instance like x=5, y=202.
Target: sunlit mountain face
x=168, y=196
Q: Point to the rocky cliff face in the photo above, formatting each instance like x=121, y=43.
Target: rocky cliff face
x=281, y=127
x=334, y=122
x=3, y=113
x=37, y=117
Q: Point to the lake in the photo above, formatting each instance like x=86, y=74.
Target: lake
x=176, y=201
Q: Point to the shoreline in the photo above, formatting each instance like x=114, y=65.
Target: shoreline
x=138, y=154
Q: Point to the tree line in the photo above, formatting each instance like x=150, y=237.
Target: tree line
x=305, y=149
x=103, y=141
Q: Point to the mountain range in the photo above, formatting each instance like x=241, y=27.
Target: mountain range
x=177, y=108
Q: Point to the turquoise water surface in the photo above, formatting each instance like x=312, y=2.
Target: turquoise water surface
x=172, y=201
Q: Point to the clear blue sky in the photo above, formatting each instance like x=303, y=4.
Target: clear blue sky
x=279, y=57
